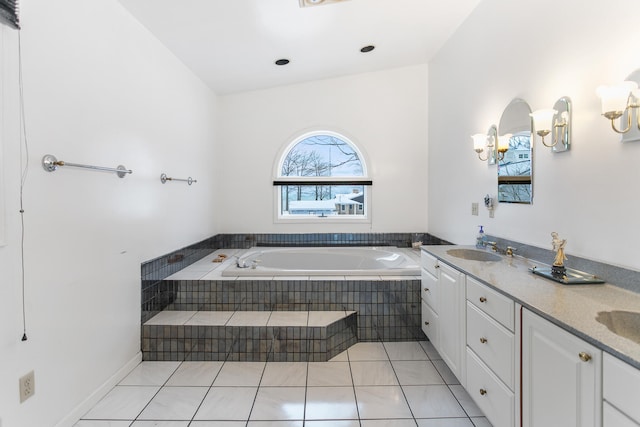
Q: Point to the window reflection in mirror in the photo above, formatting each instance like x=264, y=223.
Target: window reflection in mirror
x=515, y=171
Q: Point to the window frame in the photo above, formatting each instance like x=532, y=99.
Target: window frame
x=280, y=180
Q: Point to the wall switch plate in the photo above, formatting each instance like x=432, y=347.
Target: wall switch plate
x=27, y=386
x=474, y=209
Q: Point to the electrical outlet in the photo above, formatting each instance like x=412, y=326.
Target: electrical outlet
x=474, y=209
x=27, y=386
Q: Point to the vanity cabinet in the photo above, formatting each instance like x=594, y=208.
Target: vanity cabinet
x=561, y=376
x=428, y=294
x=452, y=320
x=443, y=312
x=621, y=393
x=491, y=353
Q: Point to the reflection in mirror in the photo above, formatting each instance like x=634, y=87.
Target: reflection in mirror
x=492, y=135
x=562, y=125
x=634, y=133
x=515, y=171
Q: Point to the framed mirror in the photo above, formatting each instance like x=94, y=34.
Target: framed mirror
x=634, y=133
x=515, y=166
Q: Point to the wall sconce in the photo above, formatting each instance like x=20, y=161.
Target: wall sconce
x=480, y=142
x=556, y=120
x=486, y=142
x=618, y=100
x=503, y=145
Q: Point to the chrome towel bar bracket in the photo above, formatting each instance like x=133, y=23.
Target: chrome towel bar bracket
x=164, y=178
x=50, y=164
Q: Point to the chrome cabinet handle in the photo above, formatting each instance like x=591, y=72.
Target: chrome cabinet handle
x=483, y=340
x=483, y=299
x=483, y=392
x=585, y=357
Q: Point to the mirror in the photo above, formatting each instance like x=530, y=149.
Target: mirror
x=515, y=171
x=634, y=133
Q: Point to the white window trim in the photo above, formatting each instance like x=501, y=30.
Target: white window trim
x=311, y=219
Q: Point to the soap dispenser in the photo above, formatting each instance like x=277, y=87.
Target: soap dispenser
x=481, y=240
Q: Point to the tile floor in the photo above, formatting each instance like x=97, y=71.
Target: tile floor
x=398, y=384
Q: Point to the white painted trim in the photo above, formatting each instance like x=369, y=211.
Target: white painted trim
x=3, y=76
x=74, y=416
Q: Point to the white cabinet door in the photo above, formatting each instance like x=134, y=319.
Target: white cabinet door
x=429, y=291
x=430, y=324
x=561, y=377
x=621, y=386
x=611, y=417
x=451, y=318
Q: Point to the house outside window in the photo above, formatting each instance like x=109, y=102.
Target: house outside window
x=322, y=176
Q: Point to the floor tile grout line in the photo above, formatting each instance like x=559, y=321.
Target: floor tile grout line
x=157, y=392
x=398, y=379
x=258, y=387
x=306, y=388
x=353, y=385
x=207, y=393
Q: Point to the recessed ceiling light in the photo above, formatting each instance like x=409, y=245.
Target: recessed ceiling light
x=282, y=61
x=367, y=49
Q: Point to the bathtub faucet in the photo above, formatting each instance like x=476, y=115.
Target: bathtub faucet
x=240, y=263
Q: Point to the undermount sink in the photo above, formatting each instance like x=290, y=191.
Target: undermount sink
x=623, y=323
x=473, y=255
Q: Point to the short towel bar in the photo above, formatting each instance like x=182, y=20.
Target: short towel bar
x=164, y=178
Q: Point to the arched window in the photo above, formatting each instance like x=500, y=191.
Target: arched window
x=322, y=175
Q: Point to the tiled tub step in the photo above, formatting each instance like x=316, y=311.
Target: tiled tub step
x=280, y=336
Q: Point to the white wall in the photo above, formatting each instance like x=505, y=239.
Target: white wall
x=384, y=114
x=99, y=89
x=538, y=50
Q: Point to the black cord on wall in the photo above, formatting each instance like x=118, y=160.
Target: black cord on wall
x=24, y=167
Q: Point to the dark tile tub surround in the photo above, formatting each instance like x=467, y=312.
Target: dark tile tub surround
x=388, y=310
x=248, y=343
x=617, y=276
x=157, y=294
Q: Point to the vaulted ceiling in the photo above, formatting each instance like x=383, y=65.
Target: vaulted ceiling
x=232, y=44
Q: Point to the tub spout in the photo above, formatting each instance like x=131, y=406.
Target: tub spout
x=240, y=263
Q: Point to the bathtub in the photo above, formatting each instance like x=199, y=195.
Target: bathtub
x=327, y=261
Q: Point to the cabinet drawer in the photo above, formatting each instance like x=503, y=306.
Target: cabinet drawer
x=430, y=324
x=493, y=343
x=429, y=263
x=491, y=302
x=492, y=397
x=429, y=290
x=621, y=386
x=611, y=417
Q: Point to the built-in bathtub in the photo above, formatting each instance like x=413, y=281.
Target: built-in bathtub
x=326, y=261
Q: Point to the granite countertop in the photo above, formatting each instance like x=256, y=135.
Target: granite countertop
x=572, y=307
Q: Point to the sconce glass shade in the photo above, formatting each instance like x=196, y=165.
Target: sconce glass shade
x=543, y=120
x=479, y=141
x=503, y=142
x=615, y=98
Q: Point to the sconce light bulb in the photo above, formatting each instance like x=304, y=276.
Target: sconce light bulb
x=615, y=98
x=543, y=120
x=479, y=141
x=503, y=143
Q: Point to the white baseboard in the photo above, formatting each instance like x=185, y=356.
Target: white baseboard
x=74, y=416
